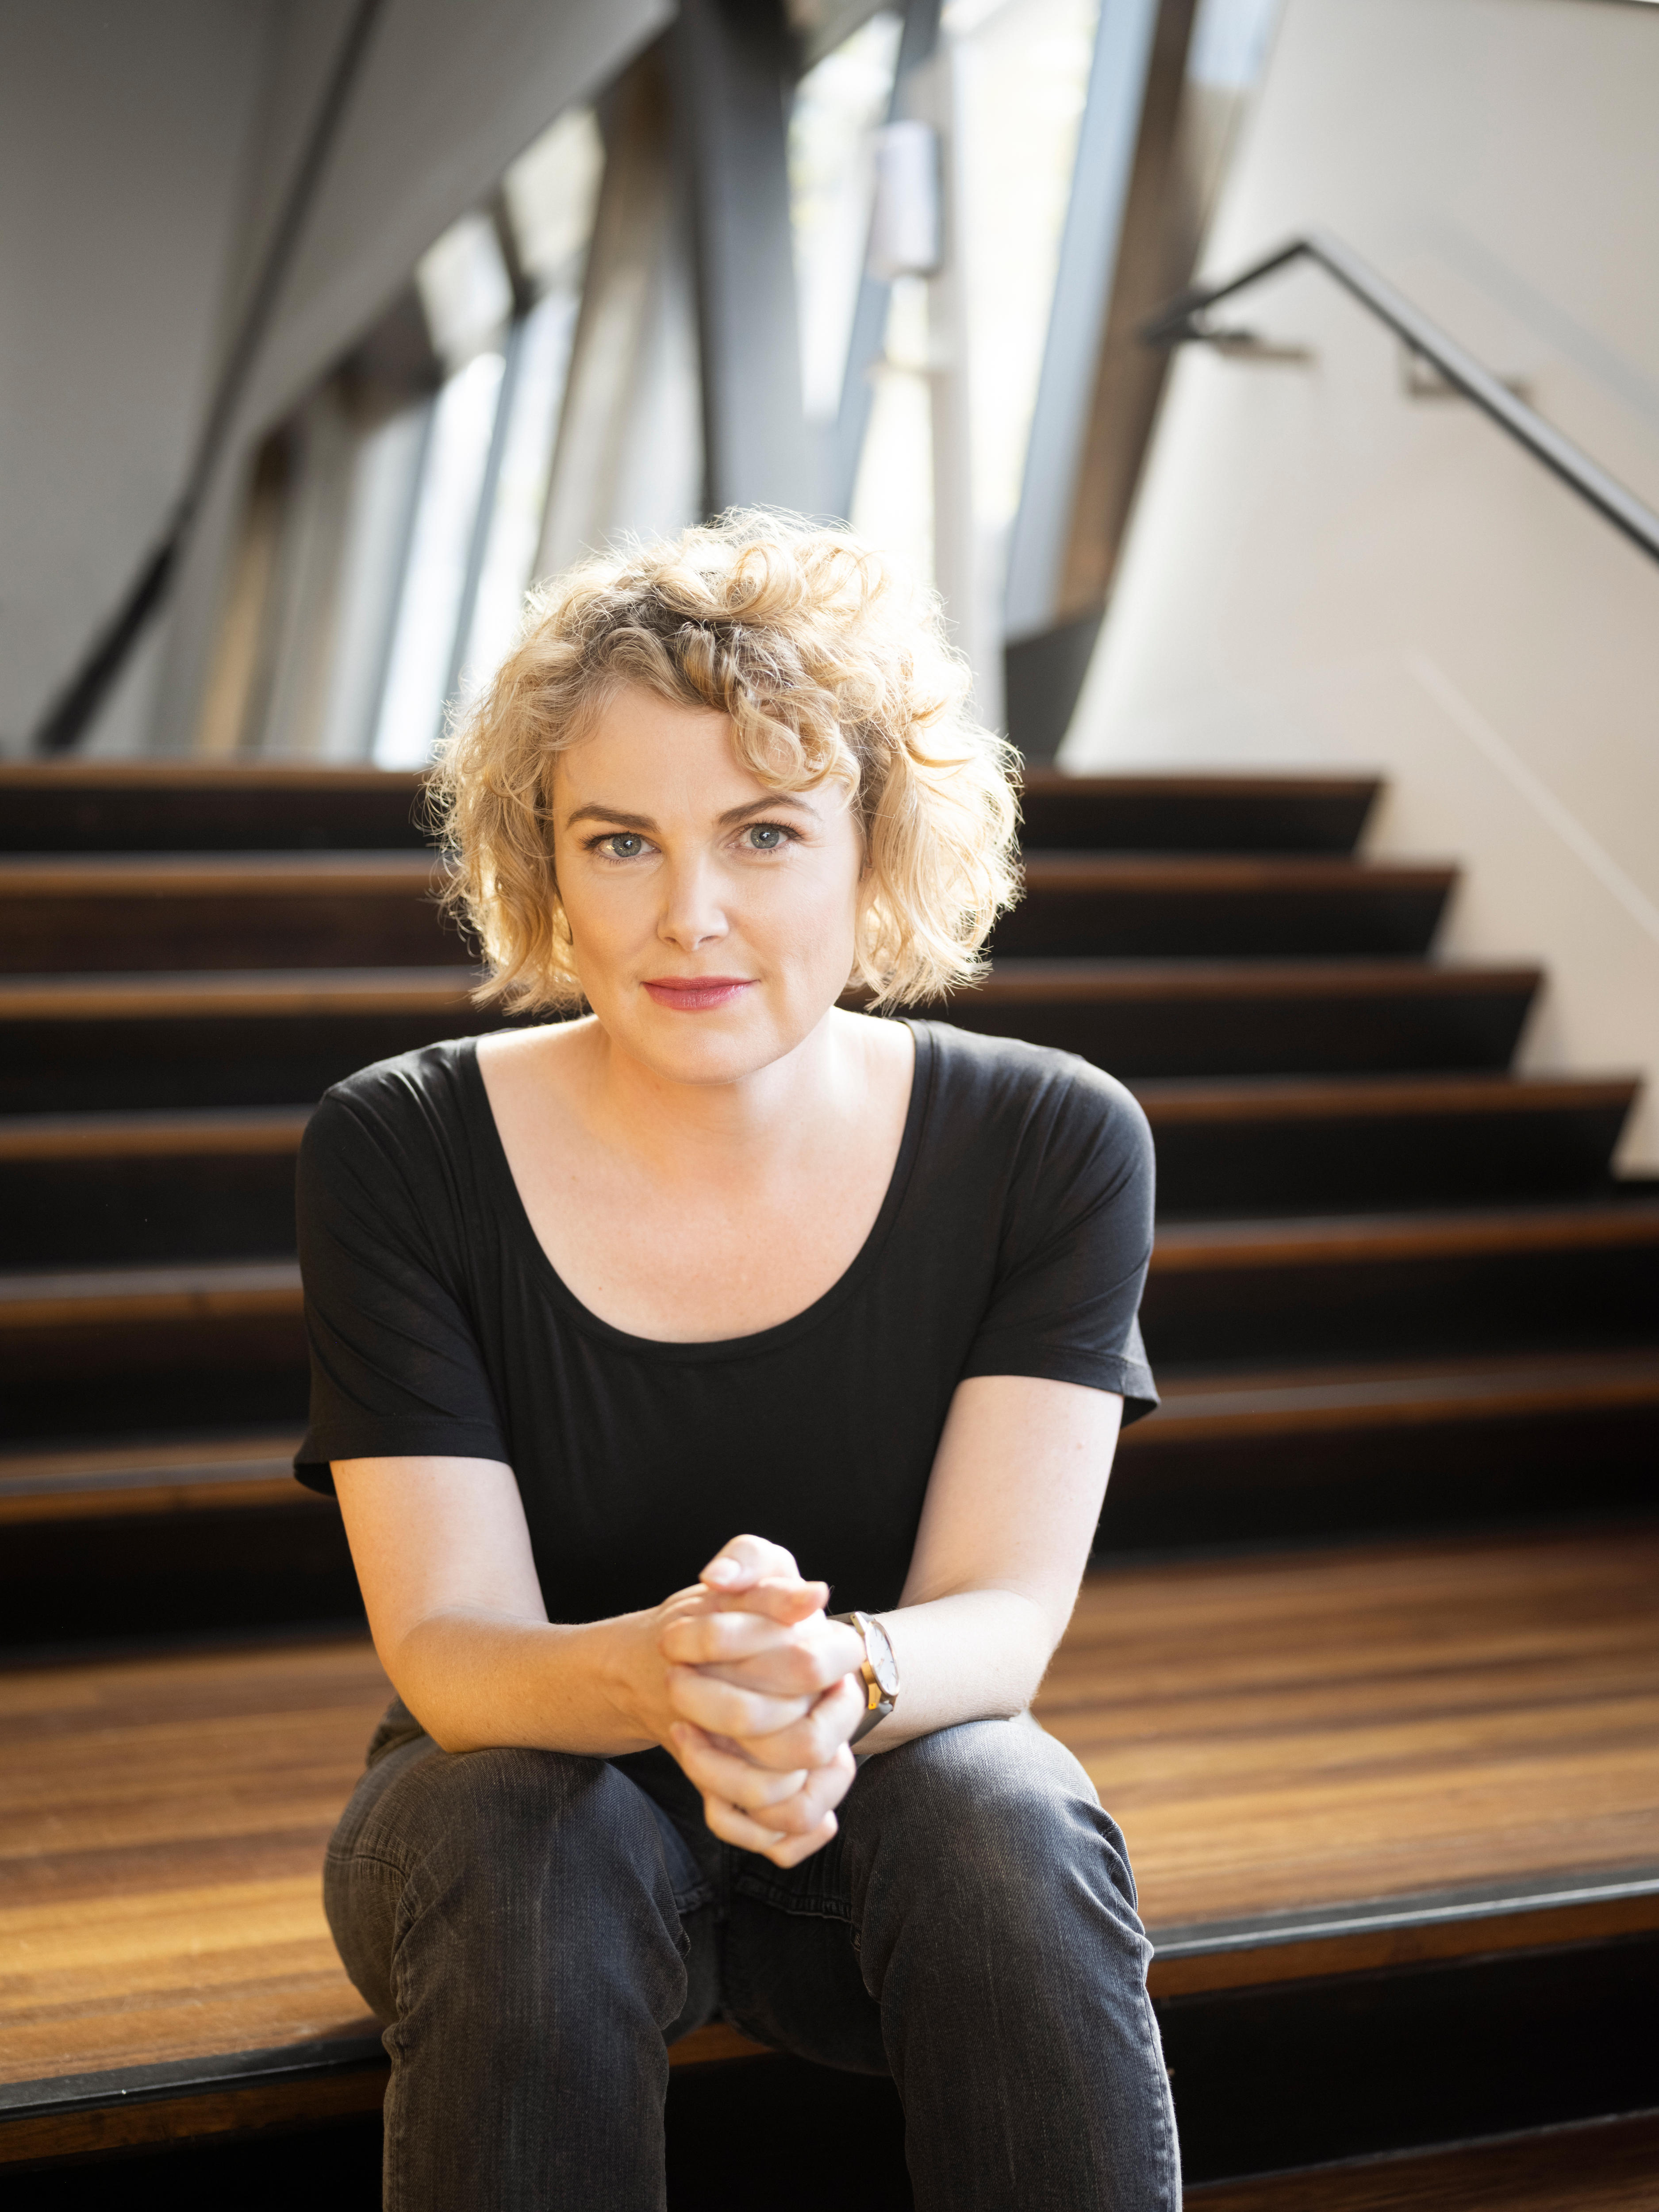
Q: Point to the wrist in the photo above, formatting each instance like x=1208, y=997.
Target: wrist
x=630, y=1675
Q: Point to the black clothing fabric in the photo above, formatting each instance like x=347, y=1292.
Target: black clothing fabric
x=1012, y=1240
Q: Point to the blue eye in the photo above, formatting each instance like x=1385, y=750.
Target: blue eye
x=625, y=844
x=767, y=836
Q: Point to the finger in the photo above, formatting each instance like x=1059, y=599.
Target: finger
x=732, y=1826
x=810, y=1740
x=794, y=1803
x=695, y=1696
x=747, y=1559
x=706, y=1638
x=721, y=1771
x=758, y=1653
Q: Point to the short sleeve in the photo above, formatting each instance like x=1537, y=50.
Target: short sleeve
x=1077, y=1238
x=396, y=1371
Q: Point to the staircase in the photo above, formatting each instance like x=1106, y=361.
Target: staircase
x=1368, y=1666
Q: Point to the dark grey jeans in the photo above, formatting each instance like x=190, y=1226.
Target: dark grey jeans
x=538, y=1928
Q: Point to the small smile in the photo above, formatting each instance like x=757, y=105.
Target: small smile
x=698, y=994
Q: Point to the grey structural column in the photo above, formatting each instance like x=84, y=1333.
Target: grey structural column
x=733, y=64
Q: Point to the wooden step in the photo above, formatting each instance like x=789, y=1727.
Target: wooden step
x=187, y=805
x=79, y=1189
x=165, y=1536
x=1151, y=907
x=1317, y=1763
x=84, y=1189
x=1373, y=1287
x=127, y=911
x=92, y=1351
x=1194, y=813
x=109, y=1351
x=1595, y=2165
x=1259, y=1457
x=1170, y=1018
x=184, y=805
x=1243, y=1145
x=90, y=1043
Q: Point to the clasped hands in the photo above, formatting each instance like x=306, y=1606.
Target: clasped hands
x=763, y=1692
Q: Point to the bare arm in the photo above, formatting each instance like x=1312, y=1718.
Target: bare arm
x=1015, y=1493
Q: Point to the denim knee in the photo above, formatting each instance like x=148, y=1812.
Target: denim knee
x=509, y=1870
x=994, y=1825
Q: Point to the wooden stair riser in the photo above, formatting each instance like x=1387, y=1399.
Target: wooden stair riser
x=54, y=1064
x=166, y=806
x=1331, y=1482
x=51, y=1067
x=190, y=1573
x=1193, y=814
x=233, y=1194
x=1423, y=2054
x=114, y=1377
x=101, y=926
x=77, y=918
x=1080, y=906
x=1388, y=1305
x=81, y=1212
x=1241, y=1028
x=1262, y=1163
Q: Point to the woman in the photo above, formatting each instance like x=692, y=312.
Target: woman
x=589, y=1300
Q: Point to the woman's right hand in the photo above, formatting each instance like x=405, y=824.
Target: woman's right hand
x=762, y=1694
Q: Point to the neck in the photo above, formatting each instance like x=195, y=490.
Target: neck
x=715, y=1130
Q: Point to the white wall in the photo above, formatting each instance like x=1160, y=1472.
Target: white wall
x=1323, y=570
x=123, y=133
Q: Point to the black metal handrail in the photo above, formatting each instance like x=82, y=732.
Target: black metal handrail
x=1179, y=324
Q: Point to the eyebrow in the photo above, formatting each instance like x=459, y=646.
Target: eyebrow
x=732, y=815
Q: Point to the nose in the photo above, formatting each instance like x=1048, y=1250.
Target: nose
x=692, y=915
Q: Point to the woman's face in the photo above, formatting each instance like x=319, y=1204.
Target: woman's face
x=712, y=919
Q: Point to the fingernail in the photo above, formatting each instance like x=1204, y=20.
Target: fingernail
x=721, y=1570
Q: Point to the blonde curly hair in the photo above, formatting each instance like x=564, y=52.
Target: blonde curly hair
x=832, y=669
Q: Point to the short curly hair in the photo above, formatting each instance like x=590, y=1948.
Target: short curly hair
x=832, y=667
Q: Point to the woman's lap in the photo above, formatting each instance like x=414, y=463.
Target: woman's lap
x=971, y=1930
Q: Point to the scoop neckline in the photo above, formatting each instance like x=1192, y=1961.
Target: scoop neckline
x=523, y=1233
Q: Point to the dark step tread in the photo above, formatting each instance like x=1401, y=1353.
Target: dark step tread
x=1231, y=1099
x=1021, y=982
x=1190, y=1247
x=1195, y=875
x=153, y=1475
x=1394, y=1394
x=253, y=994
x=188, y=1133
x=215, y=875
x=1591, y=2166
x=87, y=1298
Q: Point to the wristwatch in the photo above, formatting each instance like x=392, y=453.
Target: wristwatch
x=879, y=1672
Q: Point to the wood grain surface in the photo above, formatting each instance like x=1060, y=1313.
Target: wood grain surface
x=1324, y=1728
x=1608, y=2166
x=1346, y=1726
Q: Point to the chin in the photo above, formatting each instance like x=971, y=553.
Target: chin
x=708, y=1048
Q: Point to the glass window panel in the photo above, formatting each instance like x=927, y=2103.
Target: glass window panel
x=893, y=496
x=550, y=192
x=1024, y=78
x=838, y=106
x=520, y=497
x=429, y=607
x=464, y=289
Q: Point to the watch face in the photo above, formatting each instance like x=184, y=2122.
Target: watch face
x=883, y=1665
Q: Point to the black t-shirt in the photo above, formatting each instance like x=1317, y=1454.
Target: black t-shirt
x=1012, y=1240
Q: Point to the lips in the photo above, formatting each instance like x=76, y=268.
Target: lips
x=698, y=994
